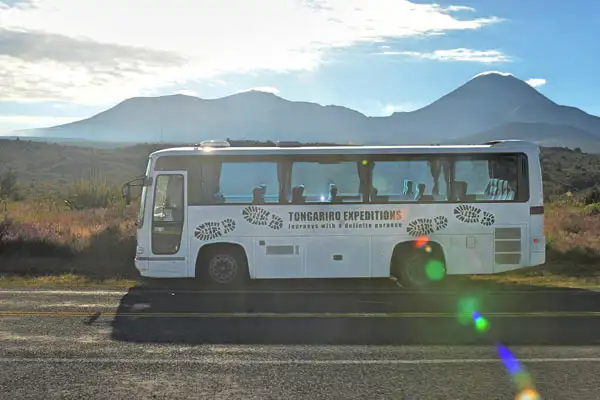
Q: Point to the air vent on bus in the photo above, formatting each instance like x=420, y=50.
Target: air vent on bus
x=507, y=246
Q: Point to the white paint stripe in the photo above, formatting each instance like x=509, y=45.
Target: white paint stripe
x=400, y=315
x=396, y=292
x=282, y=362
x=120, y=293
x=65, y=292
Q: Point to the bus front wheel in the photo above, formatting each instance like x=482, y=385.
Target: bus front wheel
x=223, y=266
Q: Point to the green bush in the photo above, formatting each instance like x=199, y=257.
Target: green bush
x=592, y=209
x=593, y=196
x=9, y=190
x=93, y=194
x=567, y=200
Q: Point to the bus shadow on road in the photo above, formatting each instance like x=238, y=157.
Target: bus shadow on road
x=367, y=317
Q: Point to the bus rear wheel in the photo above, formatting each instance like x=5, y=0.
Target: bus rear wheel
x=418, y=269
x=223, y=266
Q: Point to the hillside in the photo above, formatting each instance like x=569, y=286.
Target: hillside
x=567, y=170
x=186, y=119
x=480, y=106
x=547, y=135
x=486, y=102
x=43, y=167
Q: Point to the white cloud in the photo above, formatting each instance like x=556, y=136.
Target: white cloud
x=266, y=89
x=492, y=73
x=462, y=54
x=536, y=82
x=104, y=50
x=460, y=8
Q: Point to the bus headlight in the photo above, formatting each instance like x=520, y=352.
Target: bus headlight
x=139, y=250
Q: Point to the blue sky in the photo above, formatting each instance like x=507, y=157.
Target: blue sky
x=324, y=51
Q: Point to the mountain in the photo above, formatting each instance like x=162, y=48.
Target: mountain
x=483, y=103
x=250, y=115
x=489, y=103
x=546, y=135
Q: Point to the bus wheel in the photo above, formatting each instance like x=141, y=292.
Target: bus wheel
x=417, y=269
x=225, y=266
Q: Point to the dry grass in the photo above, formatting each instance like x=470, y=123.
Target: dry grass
x=46, y=243
x=573, y=249
x=63, y=280
x=48, y=238
x=573, y=234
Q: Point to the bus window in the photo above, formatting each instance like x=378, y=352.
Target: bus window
x=406, y=181
x=321, y=181
x=494, y=178
x=249, y=183
x=168, y=214
x=168, y=198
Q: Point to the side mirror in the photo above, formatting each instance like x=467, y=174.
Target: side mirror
x=140, y=181
x=127, y=194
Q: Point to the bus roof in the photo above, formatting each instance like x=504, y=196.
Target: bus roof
x=490, y=147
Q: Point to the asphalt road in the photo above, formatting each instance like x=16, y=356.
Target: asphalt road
x=308, y=340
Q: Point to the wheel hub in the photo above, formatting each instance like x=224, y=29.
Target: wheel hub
x=223, y=268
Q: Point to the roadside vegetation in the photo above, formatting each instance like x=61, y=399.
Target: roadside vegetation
x=88, y=233
x=572, y=228
x=76, y=230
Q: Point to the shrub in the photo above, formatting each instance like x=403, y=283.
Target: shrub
x=8, y=187
x=25, y=239
x=592, y=209
x=592, y=197
x=41, y=237
x=93, y=194
x=572, y=233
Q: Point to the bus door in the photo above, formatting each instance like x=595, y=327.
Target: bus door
x=169, y=222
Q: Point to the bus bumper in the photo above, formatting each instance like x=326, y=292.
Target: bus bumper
x=141, y=264
x=538, y=251
x=537, y=258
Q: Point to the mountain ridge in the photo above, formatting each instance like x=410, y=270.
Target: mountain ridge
x=482, y=104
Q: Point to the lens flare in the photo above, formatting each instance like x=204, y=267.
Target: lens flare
x=421, y=242
x=523, y=380
x=509, y=360
x=520, y=377
x=434, y=269
x=481, y=324
x=466, y=307
x=467, y=311
x=528, y=394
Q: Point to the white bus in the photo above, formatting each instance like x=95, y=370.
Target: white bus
x=225, y=214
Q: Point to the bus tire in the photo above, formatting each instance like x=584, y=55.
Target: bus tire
x=223, y=266
x=410, y=268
